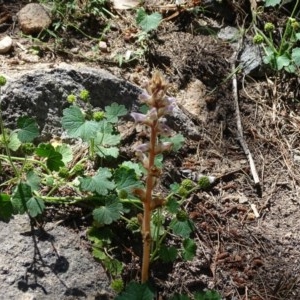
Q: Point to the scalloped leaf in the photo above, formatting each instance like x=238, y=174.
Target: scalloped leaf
x=99, y=183
x=54, y=158
x=35, y=206
x=28, y=129
x=148, y=22
x=114, y=111
x=190, y=248
x=136, y=291
x=108, y=213
x=126, y=179
x=168, y=254
x=73, y=121
x=182, y=228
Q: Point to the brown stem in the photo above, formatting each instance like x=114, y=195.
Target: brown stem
x=146, y=231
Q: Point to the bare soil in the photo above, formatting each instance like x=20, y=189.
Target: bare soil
x=240, y=254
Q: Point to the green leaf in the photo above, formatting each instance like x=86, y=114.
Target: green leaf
x=172, y=205
x=177, y=140
x=21, y=194
x=144, y=109
x=182, y=228
x=270, y=57
x=190, y=248
x=108, y=139
x=136, y=291
x=54, y=158
x=100, y=236
x=14, y=142
x=105, y=139
x=297, y=36
x=100, y=182
x=126, y=179
x=141, y=14
x=159, y=160
x=296, y=56
x=66, y=152
x=148, y=22
x=114, y=111
x=105, y=152
x=156, y=227
x=135, y=166
x=33, y=180
x=73, y=121
x=6, y=208
x=282, y=61
x=168, y=254
x=175, y=187
x=99, y=254
x=35, y=206
x=272, y=2
x=28, y=129
x=207, y=295
x=108, y=213
x=290, y=68
x=113, y=266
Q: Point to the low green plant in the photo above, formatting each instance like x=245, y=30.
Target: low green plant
x=74, y=18
x=146, y=23
x=281, y=53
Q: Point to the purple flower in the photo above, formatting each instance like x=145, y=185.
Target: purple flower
x=142, y=147
x=145, y=98
x=152, y=114
x=163, y=128
x=165, y=146
x=138, y=118
x=143, y=159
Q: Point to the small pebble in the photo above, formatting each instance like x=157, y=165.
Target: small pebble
x=103, y=46
x=5, y=44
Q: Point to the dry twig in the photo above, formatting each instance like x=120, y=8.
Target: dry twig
x=239, y=123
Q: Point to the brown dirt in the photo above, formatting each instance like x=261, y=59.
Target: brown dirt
x=240, y=255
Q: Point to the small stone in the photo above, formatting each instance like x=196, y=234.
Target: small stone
x=33, y=18
x=125, y=4
x=75, y=50
x=103, y=46
x=229, y=34
x=30, y=58
x=5, y=44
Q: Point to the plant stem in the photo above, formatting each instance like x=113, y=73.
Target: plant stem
x=287, y=28
x=12, y=158
x=146, y=229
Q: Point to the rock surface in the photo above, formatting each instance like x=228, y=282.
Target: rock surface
x=42, y=94
x=33, y=18
x=5, y=44
x=49, y=264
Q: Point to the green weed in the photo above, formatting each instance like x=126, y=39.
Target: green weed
x=281, y=53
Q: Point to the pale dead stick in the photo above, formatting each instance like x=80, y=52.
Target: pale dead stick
x=239, y=123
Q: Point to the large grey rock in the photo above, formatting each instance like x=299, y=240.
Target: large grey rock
x=251, y=59
x=47, y=265
x=33, y=18
x=42, y=94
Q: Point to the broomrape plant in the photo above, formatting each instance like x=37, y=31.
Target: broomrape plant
x=159, y=105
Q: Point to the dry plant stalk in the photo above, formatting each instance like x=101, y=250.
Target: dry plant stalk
x=159, y=105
